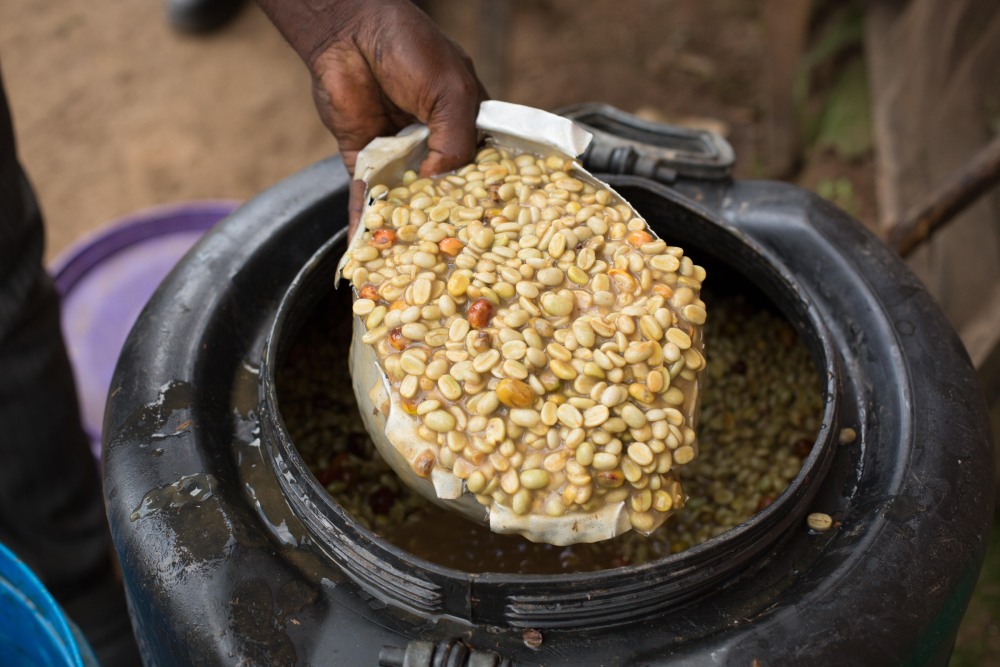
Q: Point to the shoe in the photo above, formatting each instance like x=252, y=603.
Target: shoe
x=199, y=16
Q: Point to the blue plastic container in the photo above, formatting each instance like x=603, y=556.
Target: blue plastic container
x=33, y=629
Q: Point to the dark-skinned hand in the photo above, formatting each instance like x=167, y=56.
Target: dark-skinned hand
x=378, y=66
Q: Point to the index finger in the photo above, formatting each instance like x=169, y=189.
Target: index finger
x=355, y=205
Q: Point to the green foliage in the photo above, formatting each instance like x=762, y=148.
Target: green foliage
x=846, y=123
x=831, y=89
x=840, y=191
x=978, y=641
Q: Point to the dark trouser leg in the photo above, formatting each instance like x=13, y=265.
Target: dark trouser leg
x=51, y=507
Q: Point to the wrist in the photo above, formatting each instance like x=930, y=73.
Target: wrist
x=313, y=26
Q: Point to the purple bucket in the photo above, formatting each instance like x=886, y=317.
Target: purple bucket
x=105, y=281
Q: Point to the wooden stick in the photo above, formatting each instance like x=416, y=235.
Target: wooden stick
x=922, y=221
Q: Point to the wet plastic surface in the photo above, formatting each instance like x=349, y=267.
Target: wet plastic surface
x=230, y=569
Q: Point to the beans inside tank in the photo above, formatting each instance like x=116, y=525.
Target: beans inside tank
x=761, y=409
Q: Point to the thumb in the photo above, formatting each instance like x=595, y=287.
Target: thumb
x=453, y=135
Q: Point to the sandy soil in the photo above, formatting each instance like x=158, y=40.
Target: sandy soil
x=115, y=112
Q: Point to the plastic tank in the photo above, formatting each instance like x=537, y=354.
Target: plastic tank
x=233, y=552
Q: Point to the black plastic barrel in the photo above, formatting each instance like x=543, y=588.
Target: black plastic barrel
x=233, y=553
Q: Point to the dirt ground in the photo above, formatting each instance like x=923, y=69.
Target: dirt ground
x=114, y=112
